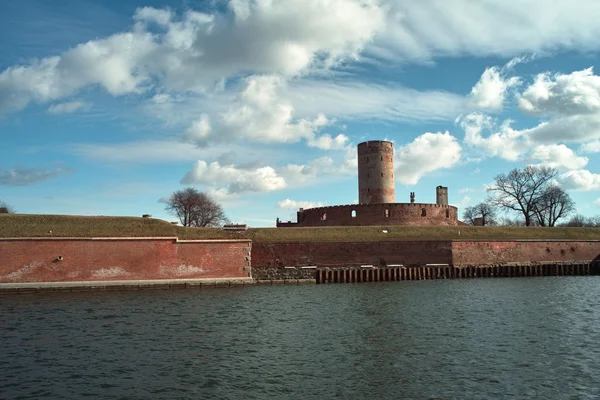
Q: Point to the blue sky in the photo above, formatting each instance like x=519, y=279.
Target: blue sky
x=107, y=107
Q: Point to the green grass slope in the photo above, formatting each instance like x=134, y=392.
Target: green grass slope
x=25, y=225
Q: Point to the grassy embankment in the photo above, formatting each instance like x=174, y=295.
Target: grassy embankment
x=79, y=226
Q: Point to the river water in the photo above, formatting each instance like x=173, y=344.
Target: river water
x=479, y=338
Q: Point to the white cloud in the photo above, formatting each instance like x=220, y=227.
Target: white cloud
x=326, y=142
x=196, y=51
x=294, y=205
x=298, y=174
x=258, y=114
x=591, y=147
x=351, y=99
x=576, y=93
x=583, y=180
x=199, y=132
x=574, y=128
x=68, y=107
x=506, y=142
x=597, y=202
x=490, y=91
x=558, y=156
x=427, y=153
x=236, y=180
x=519, y=60
x=423, y=30
x=114, y=63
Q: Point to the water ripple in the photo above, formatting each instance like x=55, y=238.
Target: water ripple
x=488, y=339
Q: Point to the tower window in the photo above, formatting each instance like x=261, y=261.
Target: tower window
x=353, y=213
x=323, y=216
x=447, y=213
x=382, y=174
x=423, y=212
x=381, y=158
x=387, y=213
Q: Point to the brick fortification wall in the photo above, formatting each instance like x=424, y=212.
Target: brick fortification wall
x=109, y=259
x=522, y=251
x=379, y=214
x=269, y=255
x=351, y=253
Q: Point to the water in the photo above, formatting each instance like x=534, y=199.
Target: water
x=481, y=338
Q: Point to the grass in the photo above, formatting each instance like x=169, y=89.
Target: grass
x=25, y=225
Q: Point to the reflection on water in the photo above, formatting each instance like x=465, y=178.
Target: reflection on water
x=489, y=338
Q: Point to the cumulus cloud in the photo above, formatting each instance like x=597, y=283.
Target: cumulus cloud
x=195, y=51
x=591, y=147
x=427, y=153
x=572, y=102
x=491, y=89
x=260, y=114
x=199, y=131
x=576, y=93
x=504, y=141
x=19, y=176
x=574, y=128
x=264, y=179
x=68, y=107
x=326, y=142
x=224, y=181
x=114, y=63
x=294, y=205
x=558, y=156
x=583, y=180
x=299, y=174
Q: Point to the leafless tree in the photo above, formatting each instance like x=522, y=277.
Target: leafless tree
x=5, y=208
x=579, y=220
x=522, y=190
x=484, y=210
x=194, y=208
x=554, y=204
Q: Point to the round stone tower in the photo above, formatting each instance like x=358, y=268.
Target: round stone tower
x=376, y=172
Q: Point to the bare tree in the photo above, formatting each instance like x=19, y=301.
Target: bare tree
x=5, y=208
x=579, y=220
x=522, y=190
x=554, y=204
x=194, y=208
x=483, y=210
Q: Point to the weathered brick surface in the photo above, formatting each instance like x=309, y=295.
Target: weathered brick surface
x=269, y=255
x=351, y=253
x=379, y=214
x=37, y=260
x=498, y=252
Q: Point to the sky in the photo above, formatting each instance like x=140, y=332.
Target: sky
x=107, y=107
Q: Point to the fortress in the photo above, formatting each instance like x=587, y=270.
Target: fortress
x=377, y=198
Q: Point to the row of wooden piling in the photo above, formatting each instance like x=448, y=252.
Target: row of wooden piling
x=411, y=273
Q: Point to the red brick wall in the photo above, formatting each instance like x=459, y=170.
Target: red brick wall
x=420, y=252
x=351, y=253
x=375, y=214
x=35, y=260
x=488, y=252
